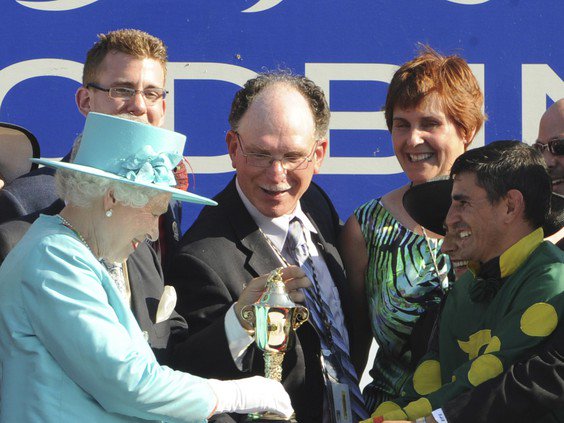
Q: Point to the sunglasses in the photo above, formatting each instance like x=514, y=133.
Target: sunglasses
x=556, y=147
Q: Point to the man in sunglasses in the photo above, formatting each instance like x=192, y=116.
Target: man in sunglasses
x=550, y=143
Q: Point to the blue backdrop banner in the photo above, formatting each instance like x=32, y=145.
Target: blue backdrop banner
x=350, y=48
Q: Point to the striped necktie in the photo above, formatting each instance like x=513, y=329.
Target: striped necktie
x=320, y=315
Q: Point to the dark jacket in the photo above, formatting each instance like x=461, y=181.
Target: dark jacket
x=221, y=252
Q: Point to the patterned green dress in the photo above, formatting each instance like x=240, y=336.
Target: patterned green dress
x=401, y=283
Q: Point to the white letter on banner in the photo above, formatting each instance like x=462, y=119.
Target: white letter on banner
x=56, y=5
x=208, y=71
x=261, y=6
x=12, y=75
x=323, y=73
x=538, y=81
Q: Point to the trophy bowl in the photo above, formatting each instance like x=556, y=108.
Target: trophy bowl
x=275, y=318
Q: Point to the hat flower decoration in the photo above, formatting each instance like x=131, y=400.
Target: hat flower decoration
x=131, y=152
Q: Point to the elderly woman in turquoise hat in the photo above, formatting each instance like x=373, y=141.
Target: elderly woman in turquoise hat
x=70, y=347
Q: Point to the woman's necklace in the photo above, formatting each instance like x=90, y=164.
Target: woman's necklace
x=68, y=225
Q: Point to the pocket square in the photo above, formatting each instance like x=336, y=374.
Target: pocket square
x=166, y=304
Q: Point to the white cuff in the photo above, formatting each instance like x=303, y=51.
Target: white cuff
x=238, y=338
x=439, y=416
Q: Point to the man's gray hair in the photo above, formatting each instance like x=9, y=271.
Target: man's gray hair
x=312, y=93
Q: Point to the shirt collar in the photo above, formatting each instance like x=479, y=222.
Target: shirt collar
x=515, y=255
x=276, y=228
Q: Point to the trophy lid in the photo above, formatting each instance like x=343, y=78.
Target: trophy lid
x=275, y=294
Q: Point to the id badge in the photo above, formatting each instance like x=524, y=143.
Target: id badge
x=341, y=402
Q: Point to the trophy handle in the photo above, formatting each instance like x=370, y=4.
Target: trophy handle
x=301, y=314
x=248, y=314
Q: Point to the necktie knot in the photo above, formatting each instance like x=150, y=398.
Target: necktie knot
x=295, y=246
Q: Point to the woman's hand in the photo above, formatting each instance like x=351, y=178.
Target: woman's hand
x=251, y=395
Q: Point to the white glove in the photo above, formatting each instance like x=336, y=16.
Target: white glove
x=251, y=395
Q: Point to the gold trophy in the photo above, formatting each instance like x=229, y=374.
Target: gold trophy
x=274, y=317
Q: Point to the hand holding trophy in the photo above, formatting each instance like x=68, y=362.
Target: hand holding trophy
x=274, y=317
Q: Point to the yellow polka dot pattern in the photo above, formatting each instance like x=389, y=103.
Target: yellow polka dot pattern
x=493, y=346
x=484, y=368
x=390, y=410
x=427, y=377
x=540, y=319
x=420, y=408
x=475, y=342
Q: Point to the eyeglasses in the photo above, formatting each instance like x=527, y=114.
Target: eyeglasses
x=556, y=147
x=151, y=95
x=290, y=162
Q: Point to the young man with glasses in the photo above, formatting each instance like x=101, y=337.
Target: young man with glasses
x=128, y=59
x=124, y=73
x=277, y=142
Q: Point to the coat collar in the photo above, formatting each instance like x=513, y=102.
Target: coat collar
x=261, y=259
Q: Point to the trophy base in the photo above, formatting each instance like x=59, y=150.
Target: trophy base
x=269, y=417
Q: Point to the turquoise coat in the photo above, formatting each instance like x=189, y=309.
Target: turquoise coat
x=70, y=348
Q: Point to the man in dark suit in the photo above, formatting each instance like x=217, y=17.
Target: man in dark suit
x=276, y=143
x=124, y=72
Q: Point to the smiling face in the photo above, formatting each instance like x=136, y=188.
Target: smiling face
x=552, y=127
x=279, y=123
x=128, y=226
x=476, y=223
x=123, y=70
x=450, y=247
x=426, y=142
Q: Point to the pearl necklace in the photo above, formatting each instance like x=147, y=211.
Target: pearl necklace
x=68, y=225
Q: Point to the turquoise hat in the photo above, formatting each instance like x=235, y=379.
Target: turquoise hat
x=130, y=152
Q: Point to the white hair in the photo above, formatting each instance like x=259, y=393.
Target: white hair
x=81, y=189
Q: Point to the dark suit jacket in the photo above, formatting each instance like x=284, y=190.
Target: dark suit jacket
x=35, y=191
x=222, y=251
x=145, y=279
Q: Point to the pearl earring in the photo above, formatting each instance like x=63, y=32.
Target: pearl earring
x=109, y=213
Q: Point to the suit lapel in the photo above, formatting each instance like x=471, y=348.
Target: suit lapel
x=138, y=304
x=261, y=259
